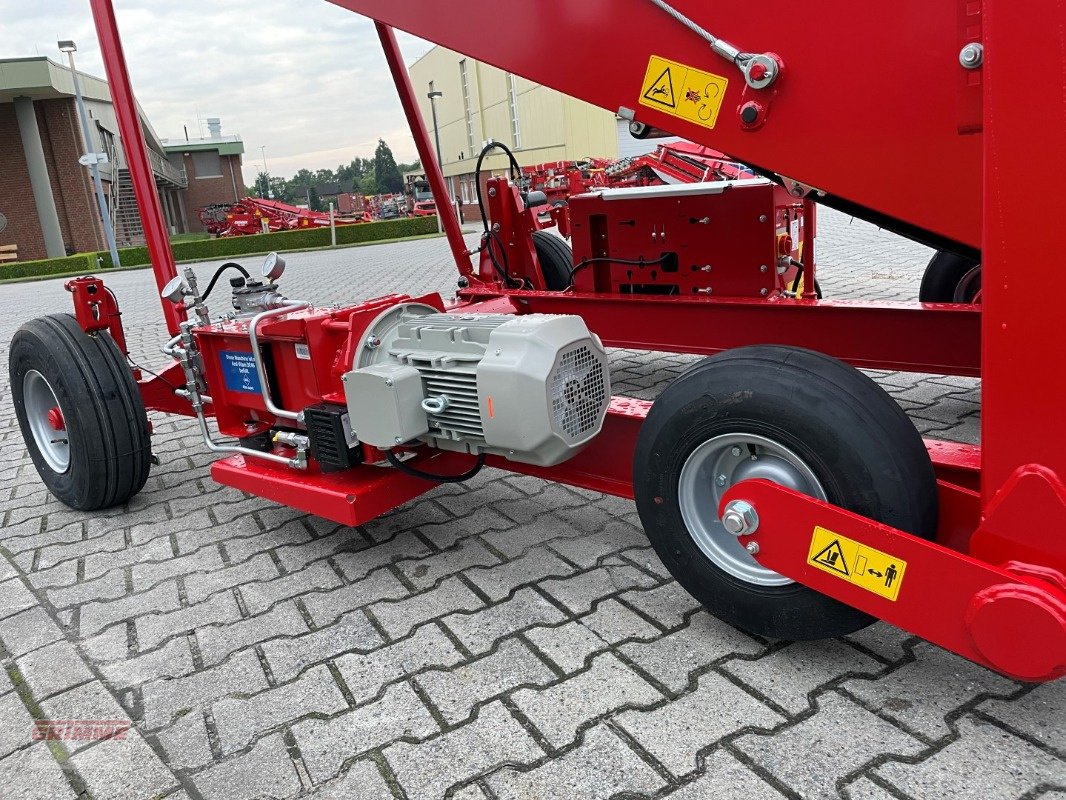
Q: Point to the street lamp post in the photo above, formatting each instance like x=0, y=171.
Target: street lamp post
x=266, y=171
x=436, y=134
x=91, y=158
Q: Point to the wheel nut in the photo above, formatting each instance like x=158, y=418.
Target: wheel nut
x=740, y=518
x=735, y=452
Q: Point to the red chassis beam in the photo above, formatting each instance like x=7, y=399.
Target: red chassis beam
x=910, y=337
x=1011, y=618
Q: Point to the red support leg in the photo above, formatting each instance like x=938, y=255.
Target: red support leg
x=425, y=149
x=155, y=229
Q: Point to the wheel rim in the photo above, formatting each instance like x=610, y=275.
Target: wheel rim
x=711, y=470
x=43, y=413
x=969, y=286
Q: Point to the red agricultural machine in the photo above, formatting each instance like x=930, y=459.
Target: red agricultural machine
x=780, y=485
x=251, y=215
x=676, y=162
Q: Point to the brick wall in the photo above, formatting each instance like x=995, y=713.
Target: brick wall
x=71, y=183
x=16, y=199
x=207, y=191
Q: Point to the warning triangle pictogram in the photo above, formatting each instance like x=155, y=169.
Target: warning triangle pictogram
x=662, y=91
x=832, y=556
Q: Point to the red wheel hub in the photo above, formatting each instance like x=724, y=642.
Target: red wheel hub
x=55, y=419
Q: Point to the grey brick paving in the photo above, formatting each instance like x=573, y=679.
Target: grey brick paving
x=507, y=639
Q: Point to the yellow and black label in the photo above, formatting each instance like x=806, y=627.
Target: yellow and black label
x=685, y=92
x=864, y=566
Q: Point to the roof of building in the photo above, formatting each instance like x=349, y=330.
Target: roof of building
x=231, y=145
x=327, y=189
x=41, y=78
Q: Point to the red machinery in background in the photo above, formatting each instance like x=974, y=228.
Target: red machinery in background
x=781, y=487
x=676, y=162
x=257, y=215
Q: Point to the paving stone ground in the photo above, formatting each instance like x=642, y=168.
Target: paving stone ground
x=507, y=639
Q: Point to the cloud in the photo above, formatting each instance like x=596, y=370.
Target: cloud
x=308, y=80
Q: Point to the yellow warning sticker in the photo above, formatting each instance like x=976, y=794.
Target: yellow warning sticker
x=871, y=569
x=685, y=92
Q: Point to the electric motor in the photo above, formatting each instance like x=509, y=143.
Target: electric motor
x=532, y=388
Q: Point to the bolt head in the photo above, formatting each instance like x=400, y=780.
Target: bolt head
x=388, y=381
x=752, y=547
x=972, y=55
x=740, y=518
x=762, y=218
x=721, y=480
x=735, y=451
x=762, y=268
x=764, y=291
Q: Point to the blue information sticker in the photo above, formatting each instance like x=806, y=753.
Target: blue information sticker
x=239, y=372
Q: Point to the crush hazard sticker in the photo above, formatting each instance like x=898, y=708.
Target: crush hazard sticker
x=864, y=566
x=684, y=92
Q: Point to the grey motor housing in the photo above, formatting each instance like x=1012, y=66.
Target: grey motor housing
x=532, y=388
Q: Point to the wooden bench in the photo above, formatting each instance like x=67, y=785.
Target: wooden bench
x=9, y=252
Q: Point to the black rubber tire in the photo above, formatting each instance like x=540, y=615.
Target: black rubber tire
x=942, y=277
x=107, y=427
x=864, y=450
x=556, y=260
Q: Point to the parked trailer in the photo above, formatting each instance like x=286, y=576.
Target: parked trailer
x=780, y=485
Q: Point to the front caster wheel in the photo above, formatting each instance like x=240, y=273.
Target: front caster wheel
x=794, y=417
x=80, y=413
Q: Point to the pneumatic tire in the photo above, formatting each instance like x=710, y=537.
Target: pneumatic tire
x=80, y=412
x=556, y=260
x=950, y=278
x=795, y=417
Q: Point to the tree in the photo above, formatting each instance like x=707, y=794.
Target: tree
x=386, y=174
x=368, y=185
x=314, y=202
x=262, y=183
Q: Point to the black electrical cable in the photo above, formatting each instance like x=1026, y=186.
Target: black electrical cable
x=153, y=374
x=429, y=476
x=624, y=261
x=218, y=274
x=489, y=235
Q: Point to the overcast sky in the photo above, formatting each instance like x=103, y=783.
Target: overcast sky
x=306, y=79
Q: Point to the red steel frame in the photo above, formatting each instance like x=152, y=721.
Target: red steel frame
x=994, y=579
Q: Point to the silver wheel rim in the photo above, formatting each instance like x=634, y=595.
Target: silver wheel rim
x=969, y=285
x=39, y=399
x=711, y=470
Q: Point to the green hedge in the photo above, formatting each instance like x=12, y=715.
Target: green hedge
x=82, y=262
x=303, y=239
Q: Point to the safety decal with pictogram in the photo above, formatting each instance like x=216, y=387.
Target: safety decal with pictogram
x=849, y=560
x=683, y=91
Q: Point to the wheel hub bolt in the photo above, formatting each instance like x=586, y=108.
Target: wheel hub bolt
x=55, y=419
x=740, y=518
x=752, y=547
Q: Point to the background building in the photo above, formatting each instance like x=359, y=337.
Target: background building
x=212, y=166
x=481, y=102
x=47, y=199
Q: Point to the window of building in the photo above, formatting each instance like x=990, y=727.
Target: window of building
x=207, y=164
x=512, y=97
x=466, y=106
